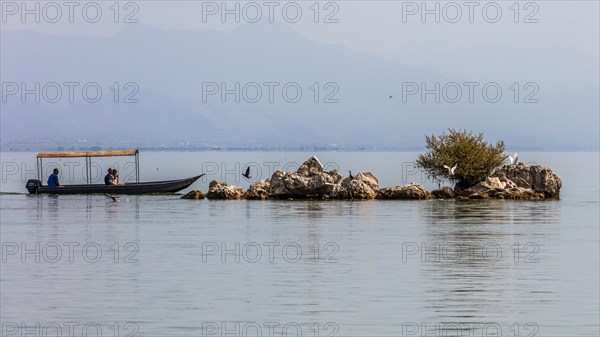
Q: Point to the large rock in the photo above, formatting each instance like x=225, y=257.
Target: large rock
x=195, y=194
x=500, y=188
x=444, y=193
x=540, y=179
x=520, y=193
x=310, y=167
x=308, y=181
x=220, y=190
x=360, y=186
x=258, y=190
x=277, y=185
x=489, y=185
x=261, y=185
x=412, y=191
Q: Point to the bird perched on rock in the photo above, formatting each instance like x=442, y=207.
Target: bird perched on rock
x=247, y=173
x=513, y=159
x=350, y=173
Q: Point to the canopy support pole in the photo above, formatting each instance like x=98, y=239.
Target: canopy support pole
x=137, y=167
x=88, y=164
x=39, y=169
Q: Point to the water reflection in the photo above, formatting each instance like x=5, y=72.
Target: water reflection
x=56, y=207
x=53, y=206
x=370, y=291
x=315, y=210
x=481, y=259
x=498, y=211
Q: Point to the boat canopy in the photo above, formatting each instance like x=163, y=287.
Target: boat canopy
x=88, y=155
x=115, y=153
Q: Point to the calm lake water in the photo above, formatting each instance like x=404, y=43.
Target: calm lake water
x=161, y=266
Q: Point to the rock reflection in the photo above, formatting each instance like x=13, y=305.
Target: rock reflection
x=481, y=259
x=318, y=209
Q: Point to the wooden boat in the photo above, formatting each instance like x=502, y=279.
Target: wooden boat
x=34, y=186
x=169, y=186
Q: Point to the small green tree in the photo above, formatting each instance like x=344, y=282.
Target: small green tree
x=474, y=158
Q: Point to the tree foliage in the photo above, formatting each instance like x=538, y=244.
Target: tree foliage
x=474, y=158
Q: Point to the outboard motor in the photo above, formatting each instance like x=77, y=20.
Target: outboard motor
x=33, y=185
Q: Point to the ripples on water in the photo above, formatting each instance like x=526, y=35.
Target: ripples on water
x=366, y=278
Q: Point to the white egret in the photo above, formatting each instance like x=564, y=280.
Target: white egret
x=451, y=169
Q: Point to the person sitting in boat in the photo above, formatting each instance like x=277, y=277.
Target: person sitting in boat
x=53, y=179
x=116, y=179
x=109, y=179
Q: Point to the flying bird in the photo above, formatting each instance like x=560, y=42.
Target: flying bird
x=114, y=198
x=451, y=169
x=247, y=173
x=513, y=159
x=391, y=96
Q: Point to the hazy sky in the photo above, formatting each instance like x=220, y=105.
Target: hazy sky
x=384, y=28
x=553, y=44
x=503, y=33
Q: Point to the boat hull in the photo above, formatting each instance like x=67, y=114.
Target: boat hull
x=169, y=186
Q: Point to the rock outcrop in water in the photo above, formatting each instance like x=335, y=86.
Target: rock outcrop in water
x=363, y=185
x=412, y=191
x=195, y=194
x=493, y=187
x=518, y=182
x=540, y=179
x=223, y=191
x=309, y=181
x=444, y=193
x=258, y=190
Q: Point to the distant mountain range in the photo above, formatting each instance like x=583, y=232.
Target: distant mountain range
x=170, y=67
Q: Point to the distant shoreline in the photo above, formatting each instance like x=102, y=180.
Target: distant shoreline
x=261, y=149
